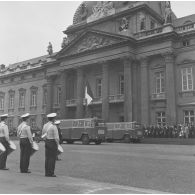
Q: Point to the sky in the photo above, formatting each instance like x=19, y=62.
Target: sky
x=26, y=27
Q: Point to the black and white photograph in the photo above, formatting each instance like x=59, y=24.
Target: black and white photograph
x=97, y=97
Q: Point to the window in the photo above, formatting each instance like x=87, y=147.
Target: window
x=121, y=84
x=152, y=24
x=142, y=22
x=121, y=119
x=1, y=103
x=159, y=82
x=33, y=97
x=187, y=79
x=2, y=100
x=58, y=95
x=11, y=99
x=189, y=116
x=186, y=43
x=33, y=123
x=10, y=123
x=99, y=87
x=44, y=96
x=160, y=118
x=22, y=98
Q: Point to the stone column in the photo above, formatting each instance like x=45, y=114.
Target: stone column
x=144, y=92
x=105, y=91
x=50, y=80
x=63, y=81
x=128, y=112
x=170, y=88
x=80, y=93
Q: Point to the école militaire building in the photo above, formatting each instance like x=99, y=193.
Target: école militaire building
x=137, y=57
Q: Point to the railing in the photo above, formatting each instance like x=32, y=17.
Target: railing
x=158, y=96
x=71, y=102
x=116, y=98
x=97, y=100
x=148, y=32
x=185, y=28
x=187, y=93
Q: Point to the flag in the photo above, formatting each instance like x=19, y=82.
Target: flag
x=88, y=93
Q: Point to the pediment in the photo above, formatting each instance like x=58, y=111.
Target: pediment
x=91, y=41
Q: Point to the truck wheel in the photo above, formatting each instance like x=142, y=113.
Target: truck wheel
x=109, y=140
x=85, y=139
x=126, y=139
x=98, y=142
x=70, y=142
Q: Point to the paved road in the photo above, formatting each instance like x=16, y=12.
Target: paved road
x=107, y=168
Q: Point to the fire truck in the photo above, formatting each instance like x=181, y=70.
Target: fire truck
x=125, y=131
x=85, y=130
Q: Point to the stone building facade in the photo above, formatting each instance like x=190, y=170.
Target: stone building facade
x=138, y=58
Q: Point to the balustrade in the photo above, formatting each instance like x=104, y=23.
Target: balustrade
x=186, y=27
x=158, y=96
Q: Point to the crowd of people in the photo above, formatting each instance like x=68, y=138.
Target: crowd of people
x=176, y=131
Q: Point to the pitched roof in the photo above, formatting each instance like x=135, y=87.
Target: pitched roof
x=181, y=21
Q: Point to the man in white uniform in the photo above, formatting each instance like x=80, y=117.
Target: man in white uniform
x=26, y=141
x=4, y=139
x=51, y=145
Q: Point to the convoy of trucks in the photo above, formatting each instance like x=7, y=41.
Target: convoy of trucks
x=95, y=130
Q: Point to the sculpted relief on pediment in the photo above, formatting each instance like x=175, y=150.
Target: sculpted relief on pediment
x=93, y=42
x=90, y=42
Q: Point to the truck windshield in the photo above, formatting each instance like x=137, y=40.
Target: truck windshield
x=99, y=123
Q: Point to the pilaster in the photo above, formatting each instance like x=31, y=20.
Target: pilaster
x=134, y=92
x=50, y=81
x=80, y=93
x=105, y=91
x=128, y=110
x=144, y=91
x=63, y=81
x=170, y=88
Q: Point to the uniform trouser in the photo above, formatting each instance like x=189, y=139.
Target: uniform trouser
x=3, y=156
x=50, y=156
x=25, y=152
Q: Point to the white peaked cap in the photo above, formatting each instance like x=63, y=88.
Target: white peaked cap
x=57, y=122
x=25, y=115
x=4, y=115
x=51, y=115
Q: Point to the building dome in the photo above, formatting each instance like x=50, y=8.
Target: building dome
x=86, y=8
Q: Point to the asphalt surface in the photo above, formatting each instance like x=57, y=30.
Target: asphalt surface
x=110, y=168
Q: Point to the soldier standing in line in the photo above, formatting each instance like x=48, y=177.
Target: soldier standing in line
x=50, y=132
x=26, y=141
x=4, y=139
